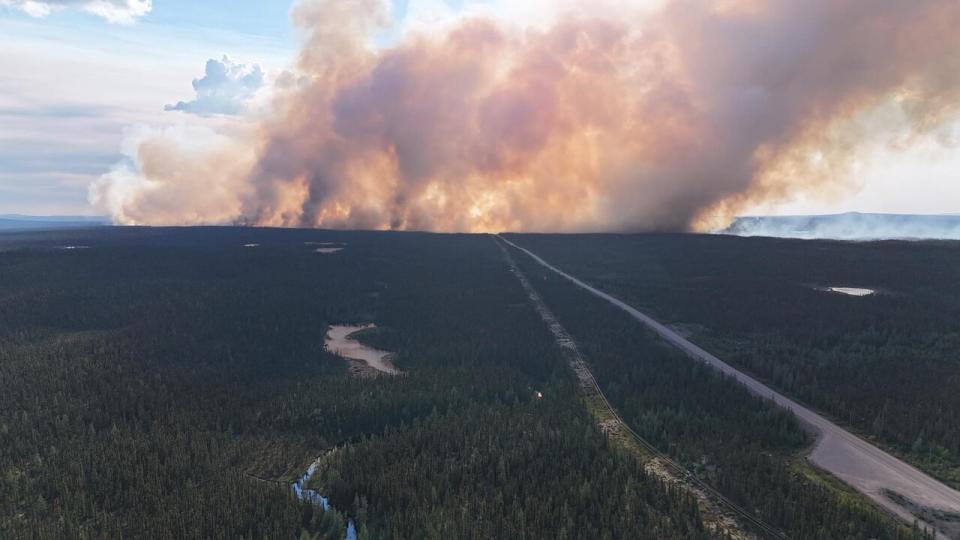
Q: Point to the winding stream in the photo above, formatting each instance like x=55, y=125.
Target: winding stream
x=339, y=342
x=314, y=498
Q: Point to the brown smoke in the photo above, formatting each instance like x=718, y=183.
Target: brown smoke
x=608, y=119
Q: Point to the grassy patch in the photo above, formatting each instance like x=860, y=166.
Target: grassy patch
x=621, y=439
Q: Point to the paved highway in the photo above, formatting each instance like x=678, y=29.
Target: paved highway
x=860, y=464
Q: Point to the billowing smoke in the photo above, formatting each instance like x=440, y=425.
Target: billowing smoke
x=611, y=116
x=852, y=226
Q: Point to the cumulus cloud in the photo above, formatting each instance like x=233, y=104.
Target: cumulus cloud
x=225, y=88
x=617, y=115
x=114, y=11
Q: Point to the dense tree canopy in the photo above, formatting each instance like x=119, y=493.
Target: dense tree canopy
x=744, y=446
x=887, y=365
x=173, y=383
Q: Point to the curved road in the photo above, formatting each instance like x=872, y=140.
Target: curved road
x=860, y=464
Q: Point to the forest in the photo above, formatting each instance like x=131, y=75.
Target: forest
x=886, y=365
x=173, y=383
x=745, y=447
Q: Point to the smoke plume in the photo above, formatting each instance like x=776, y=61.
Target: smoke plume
x=852, y=226
x=612, y=116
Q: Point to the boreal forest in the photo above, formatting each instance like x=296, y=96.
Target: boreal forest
x=175, y=383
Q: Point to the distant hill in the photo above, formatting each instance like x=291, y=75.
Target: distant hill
x=17, y=222
x=852, y=226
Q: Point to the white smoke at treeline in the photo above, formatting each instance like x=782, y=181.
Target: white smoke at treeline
x=614, y=116
x=851, y=226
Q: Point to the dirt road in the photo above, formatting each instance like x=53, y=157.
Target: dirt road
x=863, y=466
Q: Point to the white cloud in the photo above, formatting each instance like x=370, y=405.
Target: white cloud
x=114, y=11
x=119, y=11
x=226, y=88
x=54, y=142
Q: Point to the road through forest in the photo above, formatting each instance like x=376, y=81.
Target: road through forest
x=868, y=469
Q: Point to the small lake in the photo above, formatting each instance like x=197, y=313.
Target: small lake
x=851, y=291
x=338, y=342
x=327, y=248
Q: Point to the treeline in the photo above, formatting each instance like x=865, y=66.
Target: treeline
x=173, y=384
x=887, y=365
x=745, y=447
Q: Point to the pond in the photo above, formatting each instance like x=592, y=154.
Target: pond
x=340, y=342
x=327, y=248
x=851, y=291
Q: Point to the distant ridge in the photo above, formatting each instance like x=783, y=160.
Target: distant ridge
x=19, y=222
x=850, y=226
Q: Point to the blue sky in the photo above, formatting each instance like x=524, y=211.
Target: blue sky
x=73, y=83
